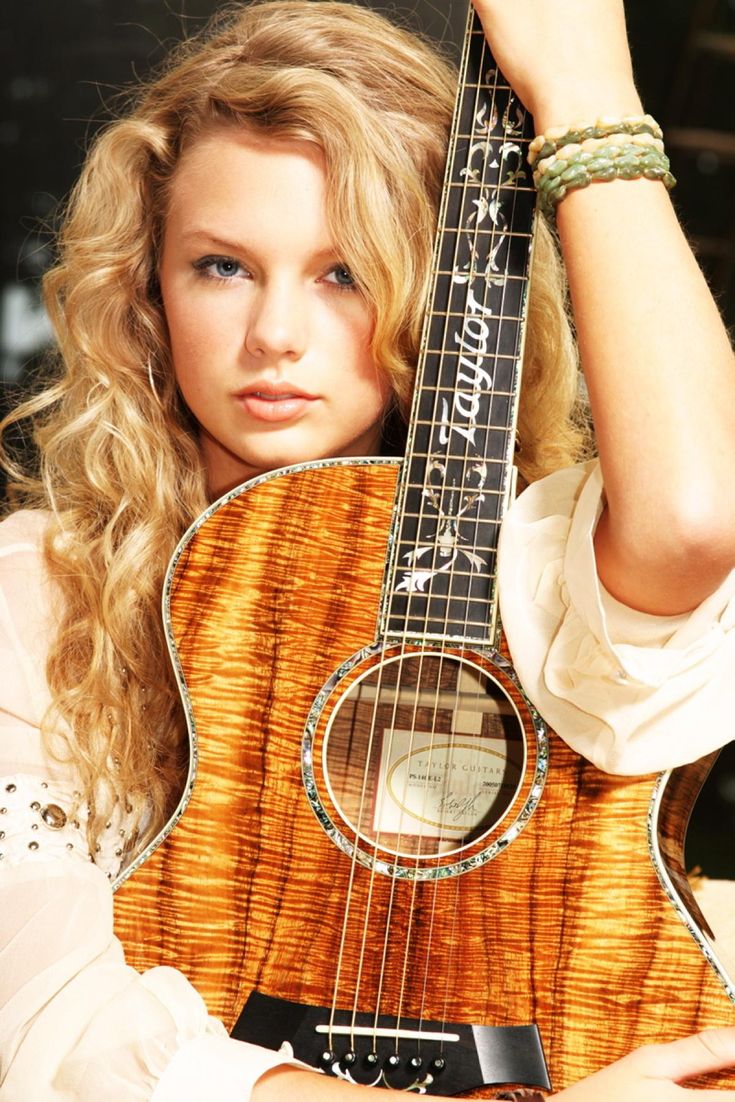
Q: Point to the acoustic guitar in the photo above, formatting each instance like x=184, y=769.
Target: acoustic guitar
x=382, y=856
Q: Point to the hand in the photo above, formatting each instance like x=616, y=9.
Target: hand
x=651, y=1074
x=568, y=61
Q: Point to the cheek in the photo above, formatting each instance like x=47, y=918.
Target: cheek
x=191, y=335
x=354, y=336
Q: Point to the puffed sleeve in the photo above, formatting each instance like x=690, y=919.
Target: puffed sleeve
x=633, y=693
x=76, y=1022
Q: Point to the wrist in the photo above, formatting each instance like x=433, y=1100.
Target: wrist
x=584, y=106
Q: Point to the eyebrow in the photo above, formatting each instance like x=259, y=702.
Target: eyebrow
x=202, y=234
x=198, y=234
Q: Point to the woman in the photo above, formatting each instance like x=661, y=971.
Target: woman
x=237, y=291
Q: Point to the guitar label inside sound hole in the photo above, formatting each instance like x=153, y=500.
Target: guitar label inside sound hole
x=423, y=755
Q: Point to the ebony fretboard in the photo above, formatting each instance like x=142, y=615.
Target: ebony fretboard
x=456, y=480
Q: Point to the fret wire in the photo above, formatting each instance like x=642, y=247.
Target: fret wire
x=469, y=185
x=499, y=134
x=440, y=613
x=489, y=426
x=434, y=596
x=507, y=277
x=450, y=272
x=468, y=580
x=453, y=317
x=431, y=518
x=447, y=638
x=451, y=629
x=450, y=638
x=431, y=521
x=482, y=526
x=472, y=184
x=483, y=86
x=443, y=314
x=476, y=135
x=488, y=546
x=435, y=454
x=510, y=235
x=417, y=488
x=459, y=571
x=438, y=454
x=447, y=391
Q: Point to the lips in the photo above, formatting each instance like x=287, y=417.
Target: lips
x=282, y=402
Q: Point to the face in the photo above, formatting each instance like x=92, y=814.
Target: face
x=270, y=338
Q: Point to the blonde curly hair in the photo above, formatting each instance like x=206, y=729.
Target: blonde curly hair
x=120, y=470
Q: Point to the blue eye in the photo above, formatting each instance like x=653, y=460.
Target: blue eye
x=225, y=267
x=341, y=276
x=219, y=267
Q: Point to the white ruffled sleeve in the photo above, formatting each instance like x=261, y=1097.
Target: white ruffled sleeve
x=631, y=692
x=76, y=1022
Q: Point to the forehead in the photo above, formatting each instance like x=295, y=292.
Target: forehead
x=230, y=175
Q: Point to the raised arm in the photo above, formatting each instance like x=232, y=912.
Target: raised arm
x=657, y=359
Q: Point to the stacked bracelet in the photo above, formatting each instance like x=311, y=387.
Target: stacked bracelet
x=610, y=149
x=543, y=145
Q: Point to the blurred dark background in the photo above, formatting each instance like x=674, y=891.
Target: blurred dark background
x=63, y=63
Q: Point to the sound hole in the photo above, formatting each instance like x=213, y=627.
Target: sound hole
x=424, y=755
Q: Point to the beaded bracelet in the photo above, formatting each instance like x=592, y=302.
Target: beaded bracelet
x=555, y=137
x=612, y=149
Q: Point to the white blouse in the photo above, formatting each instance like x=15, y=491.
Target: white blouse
x=633, y=693
x=77, y=1024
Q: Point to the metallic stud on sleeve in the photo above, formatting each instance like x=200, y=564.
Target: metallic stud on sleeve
x=53, y=816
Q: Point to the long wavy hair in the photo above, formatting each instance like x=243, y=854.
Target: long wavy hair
x=120, y=468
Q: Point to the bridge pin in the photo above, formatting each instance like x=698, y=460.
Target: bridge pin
x=371, y=1059
x=327, y=1057
x=349, y=1058
x=415, y=1063
x=438, y=1064
x=393, y=1060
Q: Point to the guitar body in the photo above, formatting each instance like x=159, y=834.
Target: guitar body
x=567, y=926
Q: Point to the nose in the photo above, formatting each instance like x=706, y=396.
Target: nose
x=277, y=321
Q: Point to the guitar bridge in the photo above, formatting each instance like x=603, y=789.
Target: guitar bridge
x=438, y=1058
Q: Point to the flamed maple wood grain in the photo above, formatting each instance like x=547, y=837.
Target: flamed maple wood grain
x=568, y=928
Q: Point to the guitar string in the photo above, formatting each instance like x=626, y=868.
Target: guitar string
x=470, y=113
x=387, y=758
x=507, y=138
x=354, y=871
x=360, y=831
x=410, y=603
x=490, y=97
x=395, y=707
x=446, y=609
x=398, y=694
x=440, y=666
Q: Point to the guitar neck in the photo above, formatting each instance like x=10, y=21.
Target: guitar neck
x=457, y=479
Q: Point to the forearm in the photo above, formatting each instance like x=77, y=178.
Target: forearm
x=283, y=1084
x=662, y=388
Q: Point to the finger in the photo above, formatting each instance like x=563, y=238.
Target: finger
x=710, y=1050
